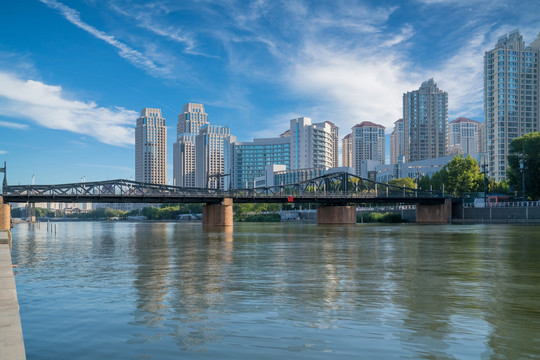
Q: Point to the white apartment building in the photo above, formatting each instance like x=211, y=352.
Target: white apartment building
x=368, y=143
x=462, y=136
x=312, y=145
x=213, y=160
x=511, y=97
x=346, y=151
x=151, y=147
x=397, y=143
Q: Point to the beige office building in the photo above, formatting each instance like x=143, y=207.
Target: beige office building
x=151, y=147
x=192, y=119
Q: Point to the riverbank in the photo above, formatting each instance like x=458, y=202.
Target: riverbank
x=11, y=337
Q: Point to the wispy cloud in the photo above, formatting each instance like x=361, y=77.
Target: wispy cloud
x=13, y=125
x=49, y=107
x=133, y=56
x=145, y=18
x=3, y=152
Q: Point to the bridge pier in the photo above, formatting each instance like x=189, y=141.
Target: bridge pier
x=218, y=214
x=434, y=213
x=31, y=212
x=336, y=214
x=5, y=215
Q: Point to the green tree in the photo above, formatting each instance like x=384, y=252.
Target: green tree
x=463, y=175
x=526, y=149
x=406, y=182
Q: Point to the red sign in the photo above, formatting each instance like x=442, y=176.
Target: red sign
x=290, y=199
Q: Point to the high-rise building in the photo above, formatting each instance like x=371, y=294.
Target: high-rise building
x=151, y=147
x=249, y=159
x=425, y=114
x=190, y=121
x=346, y=150
x=184, y=160
x=213, y=160
x=368, y=143
x=312, y=145
x=397, y=142
x=462, y=136
x=335, y=143
x=511, y=98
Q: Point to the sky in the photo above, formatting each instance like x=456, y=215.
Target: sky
x=74, y=75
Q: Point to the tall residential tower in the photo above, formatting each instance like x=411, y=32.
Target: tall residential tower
x=511, y=103
x=151, y=147
x=425, y=114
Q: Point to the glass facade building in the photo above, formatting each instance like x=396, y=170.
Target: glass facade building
x=250, y=158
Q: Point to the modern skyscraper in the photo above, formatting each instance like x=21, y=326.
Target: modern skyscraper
x=368, y=143
x=346, y=148
x=511, y=98
x=462, y=136
x=213, y=160
x=190, y=121
x=397, y=142
x=249, y=159
x=151, y=147
x=312, y=145
x=425, y=114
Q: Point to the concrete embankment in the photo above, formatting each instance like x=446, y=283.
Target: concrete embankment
x=11, y=337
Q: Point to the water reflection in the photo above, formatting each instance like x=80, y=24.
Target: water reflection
x=306, y=291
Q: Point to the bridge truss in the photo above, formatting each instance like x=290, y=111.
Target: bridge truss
x=335, y=188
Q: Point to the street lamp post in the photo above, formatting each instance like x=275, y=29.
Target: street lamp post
x=522, y=167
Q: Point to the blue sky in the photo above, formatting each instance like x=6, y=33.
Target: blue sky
x=74, y=75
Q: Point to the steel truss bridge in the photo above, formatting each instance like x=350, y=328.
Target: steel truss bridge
x=331, y=189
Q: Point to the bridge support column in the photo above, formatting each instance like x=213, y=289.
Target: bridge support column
x=31, y=212
x=5, y=215
x=434, y=214
x=218, y=214
x=336, y=215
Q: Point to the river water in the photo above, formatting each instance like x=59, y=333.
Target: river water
x=117, y=290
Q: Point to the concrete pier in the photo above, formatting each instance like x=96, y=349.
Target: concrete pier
x=218, y=214
x=434, y=214
x=11, y=338
x=336, y=215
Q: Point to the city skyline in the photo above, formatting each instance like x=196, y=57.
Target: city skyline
x=74, y=76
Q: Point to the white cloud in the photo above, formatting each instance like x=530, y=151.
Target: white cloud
x=353, y=88
x=48, y=106
x=13, y=125
x=133, y=56
x=3, y=152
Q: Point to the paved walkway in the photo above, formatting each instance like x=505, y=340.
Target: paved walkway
x=11, y=338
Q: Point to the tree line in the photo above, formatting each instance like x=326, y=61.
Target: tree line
x=463, y=175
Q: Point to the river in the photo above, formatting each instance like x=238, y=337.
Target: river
x=119, y=290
